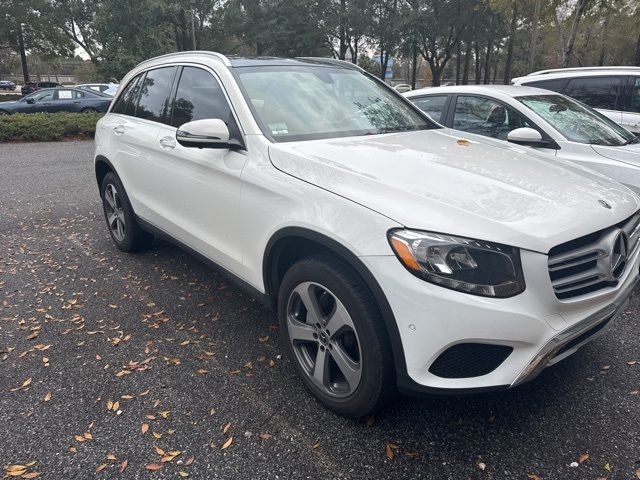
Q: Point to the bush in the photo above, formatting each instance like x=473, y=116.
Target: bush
x=46, y=127
x=10, y=97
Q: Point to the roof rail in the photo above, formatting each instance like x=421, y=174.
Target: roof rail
x=583, y=69
x=216, y=55
x=332, y=61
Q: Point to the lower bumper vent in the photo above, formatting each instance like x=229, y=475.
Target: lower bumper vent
x=466, y=360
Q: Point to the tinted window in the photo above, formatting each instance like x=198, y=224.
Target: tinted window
x=126, y=101
x=486, y=117
x=597, y=92
x=45, y=95
x=154, y=94
x=432, y=106
x=635, y=96
x=553, y=85
x=199, y=96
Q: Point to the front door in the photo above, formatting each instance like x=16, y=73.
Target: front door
x=198, y=189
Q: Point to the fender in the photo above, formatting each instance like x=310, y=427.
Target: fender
x=271, y=254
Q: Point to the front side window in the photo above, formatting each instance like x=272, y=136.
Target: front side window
x=577, y=122
x=199, y=96
x=486, y=117
x=42, y=95
x=155, y=90
x=296, y=102
x=432, y=105
x=597, y=92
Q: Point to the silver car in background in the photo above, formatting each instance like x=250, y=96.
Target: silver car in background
x=539, y=119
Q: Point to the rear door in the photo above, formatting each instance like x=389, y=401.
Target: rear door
x=139, y=113
x=199, y=188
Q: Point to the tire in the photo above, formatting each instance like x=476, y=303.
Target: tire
x=360, y=346
x=121, y=221
x=88, y=110
x=4, y=112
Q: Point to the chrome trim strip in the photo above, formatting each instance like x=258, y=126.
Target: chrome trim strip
x=546, y=354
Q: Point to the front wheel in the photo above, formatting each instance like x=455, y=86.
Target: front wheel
x=334, y=334
x=123, y=228
x=88, y=110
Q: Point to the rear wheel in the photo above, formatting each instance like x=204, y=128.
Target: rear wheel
x=88, y=110
x=334, y=335
x=123, y=228
x=4, y=112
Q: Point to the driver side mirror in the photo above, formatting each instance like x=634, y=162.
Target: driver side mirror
x=526, y=136
x=31, y=101
x=207, y=133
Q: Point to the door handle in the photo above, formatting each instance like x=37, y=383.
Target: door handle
x=168, y=142
x=78, y=101
x=118, y=129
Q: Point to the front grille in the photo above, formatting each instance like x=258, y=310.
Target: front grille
x=466, y=360
x=583, y=265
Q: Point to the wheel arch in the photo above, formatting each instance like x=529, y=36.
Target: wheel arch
x=291, y=244
x=102, y=167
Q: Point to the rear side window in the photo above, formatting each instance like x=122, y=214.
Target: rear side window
x=154, y=96
x=126, y=102
x=553, y=85
x=635, y=96
x=432, y=105
x=597, y=92
x=68, y=94
x=199, y=96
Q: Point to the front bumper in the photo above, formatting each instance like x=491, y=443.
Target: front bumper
x=540, y=329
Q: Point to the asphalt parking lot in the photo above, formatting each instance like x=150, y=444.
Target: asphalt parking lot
x=155, y=366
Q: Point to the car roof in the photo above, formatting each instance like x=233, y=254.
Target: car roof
x=508, y=90
x=577, y=72
x=240, y=61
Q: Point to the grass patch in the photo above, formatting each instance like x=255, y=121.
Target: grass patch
x=47, y=127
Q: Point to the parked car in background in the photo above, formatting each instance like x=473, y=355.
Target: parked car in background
x=613, y=91
x=106, y=88
x=58, y=100
x=31, y=87
x=7, y=85
x=538, y=119
x=402, y=87
x=395, y=254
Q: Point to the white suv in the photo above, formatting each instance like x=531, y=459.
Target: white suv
x=395, y=254
x=613, y=91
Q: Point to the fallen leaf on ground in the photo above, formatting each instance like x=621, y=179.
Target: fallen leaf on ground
x=153, y=467
x=228, y=443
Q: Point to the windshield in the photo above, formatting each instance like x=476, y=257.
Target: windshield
x=311, y=102
x=577, y=122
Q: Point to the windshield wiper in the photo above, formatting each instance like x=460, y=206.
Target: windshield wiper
x=631, y=141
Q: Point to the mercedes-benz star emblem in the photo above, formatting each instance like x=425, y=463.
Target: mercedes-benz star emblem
x=619, y=255
x=604, y=204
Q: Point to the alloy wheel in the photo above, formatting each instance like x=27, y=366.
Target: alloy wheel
x=324, y=339
x=114, y=212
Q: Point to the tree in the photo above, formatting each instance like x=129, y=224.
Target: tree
x=442, y=25
x=577, y=16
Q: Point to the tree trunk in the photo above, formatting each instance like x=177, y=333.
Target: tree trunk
x=510, y=43
x=458, y=62
x=568, y=51
x=487, y=63
x=467, y=62
x=476, y=48
x=414, y=65
x=23, y=54
x=603, y=45
x=534, y=36
x=638, y=52
x=435, y=76
x=384, y=61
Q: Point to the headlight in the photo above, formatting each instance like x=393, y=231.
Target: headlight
x=463, y=264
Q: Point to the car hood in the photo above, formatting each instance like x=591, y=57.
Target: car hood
x=432, y=180
x=628, y=153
